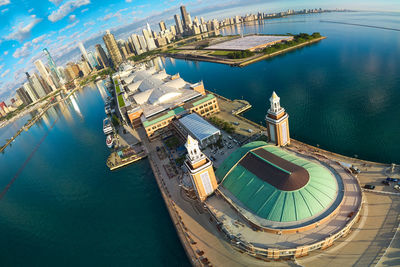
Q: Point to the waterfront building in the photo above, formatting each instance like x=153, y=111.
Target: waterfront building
x=4, y=107
x=194, y=125
x=134, y=40
x=112, y=48
x=200, y=169
x=84, y=67
x=154, y=99
x=53, y=66
x=45, y=74
x=101, y=55
x=36, y=85
x=24, y=96
x=149, y=39
x=31, y=92
x=185, y=18
x=92, y=60
x=84, y=53
x=178, y=22
x=277, y=122
x=173, y=30
x=143, y=44
x=162, y=26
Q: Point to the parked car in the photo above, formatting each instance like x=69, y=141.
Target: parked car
x=397, y=187
x=385, y=182
x=369, y=186
x=354, y=170
x=391, y=179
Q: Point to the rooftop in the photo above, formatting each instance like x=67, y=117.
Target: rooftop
x=199, y=127
x=277, y=186
x=248, y=42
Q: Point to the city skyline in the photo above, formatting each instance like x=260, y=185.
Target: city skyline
x=58, y=26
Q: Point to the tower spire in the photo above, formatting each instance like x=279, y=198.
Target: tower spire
x=277, y=122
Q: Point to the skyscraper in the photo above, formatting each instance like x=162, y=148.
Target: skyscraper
x=178, y=22
x=24, y=96
x=112, y=48
x=162, y=26
x=53, y=66
x=36, y=85
x=102, y=56
x=31, y=92
x=149, y=39
x=136, y=44
x=84, y=53
x=92, y=60
x=45, y=74
x=185, y=17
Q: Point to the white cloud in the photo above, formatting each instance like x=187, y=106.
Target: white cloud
x=89, y=23
x=67, y=8
x=39, y=39
x=1, y=66
x=56, y=2
x=31, y=10
x=4, y=2
x=128, y=1
x=23, y=51
x=22, y=32
x=4, y=10
x=84, y=10
x=69, y=26
x=72, y=17
x=5, y=73
x=5, y=53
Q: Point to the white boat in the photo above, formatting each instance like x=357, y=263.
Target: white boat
x=109, y=141
x=107, y=128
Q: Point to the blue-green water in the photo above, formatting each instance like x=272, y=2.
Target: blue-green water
x=66, y=208
x=342, y=93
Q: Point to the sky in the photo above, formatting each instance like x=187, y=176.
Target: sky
x=28, y=26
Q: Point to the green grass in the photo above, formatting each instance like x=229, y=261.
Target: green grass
x=220, y=53
x=298, y=39
x=121, y=101
x=172, y=142
x=118, y=89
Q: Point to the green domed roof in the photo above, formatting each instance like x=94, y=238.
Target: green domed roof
x=277, y=185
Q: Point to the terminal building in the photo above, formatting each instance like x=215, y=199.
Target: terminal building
x=272, y=201
x=152, y=98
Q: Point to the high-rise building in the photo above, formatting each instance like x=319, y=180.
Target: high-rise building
x=92, y=60
x=173, y=30
x=162, y=26
x=185, y=17
x=84, y=53
x=36, y=85
x=84, y=67
x=178, y=22
x=149, y=39
x=101, y=55
x=24, y=96
x=45, y=74
x=112, y=48
x=143, y=43
x=200, y=169
x=277, y=122
x=31, y=92
x=53, y=66
x=135, y=43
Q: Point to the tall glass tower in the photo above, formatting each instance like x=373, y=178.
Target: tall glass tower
x=53, y=65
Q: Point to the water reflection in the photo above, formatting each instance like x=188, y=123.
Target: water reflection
x=75, y=105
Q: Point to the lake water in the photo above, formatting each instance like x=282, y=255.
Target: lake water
x=61, y=206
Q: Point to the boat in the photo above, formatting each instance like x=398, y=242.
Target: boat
x=109, y=141
x=107, y=128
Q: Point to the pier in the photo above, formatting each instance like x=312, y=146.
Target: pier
x=205, y=242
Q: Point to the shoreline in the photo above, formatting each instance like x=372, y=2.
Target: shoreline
x=33, y=120
x=191, y=226
x=239, y=63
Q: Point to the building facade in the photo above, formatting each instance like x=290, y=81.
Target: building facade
x=277, y=122
x=112, y=48
x=200, y=170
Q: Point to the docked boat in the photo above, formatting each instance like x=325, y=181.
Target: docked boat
x=110, y=141
x=107, y=128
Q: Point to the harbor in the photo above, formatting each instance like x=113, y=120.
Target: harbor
x=203, y=227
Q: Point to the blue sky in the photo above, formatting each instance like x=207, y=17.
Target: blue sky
x=28, y=26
